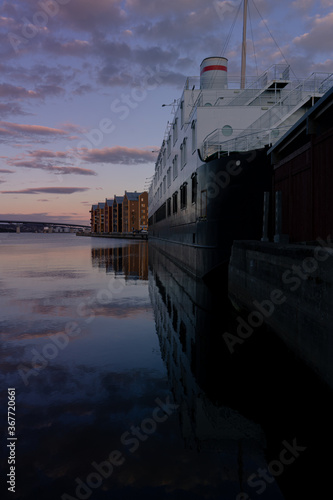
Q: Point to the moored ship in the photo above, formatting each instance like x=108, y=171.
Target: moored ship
x=212, y=168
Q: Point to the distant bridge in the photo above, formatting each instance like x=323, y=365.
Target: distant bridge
x=45, y=223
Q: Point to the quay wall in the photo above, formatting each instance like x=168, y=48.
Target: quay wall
x=290, y=288
x=130, y=236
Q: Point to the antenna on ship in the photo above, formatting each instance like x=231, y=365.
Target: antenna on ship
x=243, y=68
x=246, y=13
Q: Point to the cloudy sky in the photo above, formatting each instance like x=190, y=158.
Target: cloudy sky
x=83, y=82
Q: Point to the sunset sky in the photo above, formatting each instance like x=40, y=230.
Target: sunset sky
x=83, y=82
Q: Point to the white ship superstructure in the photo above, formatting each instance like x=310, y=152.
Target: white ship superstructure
x=217, y=117
x=220, y=132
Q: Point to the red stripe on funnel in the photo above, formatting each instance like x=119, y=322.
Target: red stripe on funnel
x=215, y=66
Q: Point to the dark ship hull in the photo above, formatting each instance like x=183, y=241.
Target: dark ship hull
x=224, y=202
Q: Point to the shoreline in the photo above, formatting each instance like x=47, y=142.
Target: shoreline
x=129, y=236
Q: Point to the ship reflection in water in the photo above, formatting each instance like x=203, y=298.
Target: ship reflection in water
x=258, y=408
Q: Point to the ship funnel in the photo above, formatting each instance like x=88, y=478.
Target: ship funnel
x=213, y=73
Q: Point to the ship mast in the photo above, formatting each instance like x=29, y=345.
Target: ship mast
x=243, y=68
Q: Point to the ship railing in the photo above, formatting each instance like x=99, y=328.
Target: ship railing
x=274, y=78
x=259, y=97
x=295, y=99
x=276, y=72
x=277, y=75
x=234, y=82
x=326, y=84
x=274, y=118
x=246, y=96
x=244, y=142
x=253, y=85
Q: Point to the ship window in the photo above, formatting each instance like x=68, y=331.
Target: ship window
x=182, y=335
x=169, y=176
x=227, y=130
x=175, y=167
x=183, y=195
x=183, y=155
x=194, y=187
x=194, y=136
x=175, y=131
x=203, y=203
x=174, y=202
x=168, y=207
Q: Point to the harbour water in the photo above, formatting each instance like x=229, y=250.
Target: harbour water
x=125, y=387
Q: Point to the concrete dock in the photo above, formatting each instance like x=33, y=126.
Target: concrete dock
x=289, y=288
x=130, y=236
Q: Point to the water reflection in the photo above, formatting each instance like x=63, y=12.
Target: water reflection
x=234, y=411
x=130, y=260
x=260, y=399
x=79, y=392
x=190, y=318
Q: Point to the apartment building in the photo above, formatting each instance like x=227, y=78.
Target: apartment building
x=100, y=218
x=126, y=214
x=117, y=214
x=108, y=215
x=93, y=218
x=134, y=211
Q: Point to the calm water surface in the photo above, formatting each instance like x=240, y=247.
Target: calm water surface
x=125, y=390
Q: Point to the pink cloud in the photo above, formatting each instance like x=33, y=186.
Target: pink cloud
x=32, y=129
x=118, y=155
x=11, y=91
x=50, y=190
x=319, y=38
x=39, y=159
x=56, y=169
x=44, y=153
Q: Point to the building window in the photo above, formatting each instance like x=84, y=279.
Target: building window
x=194, y=136
x=194, y=187
x=164, y=184
x=174, y=202
x=169, y=146
x=182, y=114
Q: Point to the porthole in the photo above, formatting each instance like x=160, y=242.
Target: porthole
x=227, y=130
